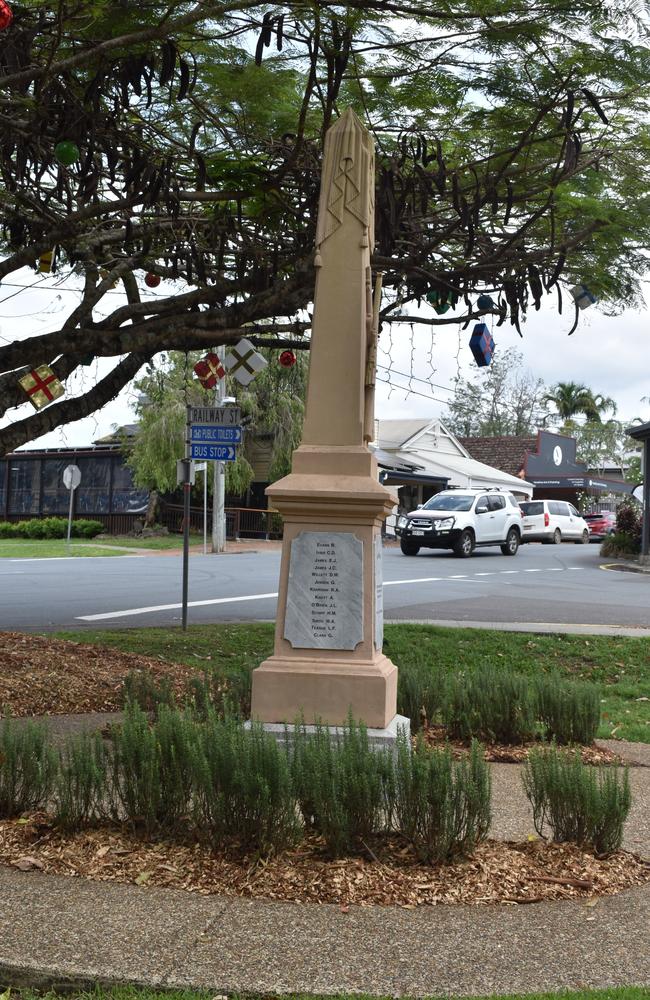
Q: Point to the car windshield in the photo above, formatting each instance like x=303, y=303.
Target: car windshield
x=450, y=501
x=532, y=508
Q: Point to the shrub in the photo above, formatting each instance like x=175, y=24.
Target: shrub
x=141, y=688
x=84, y=528
x=226, y=691
x=345, y=788
x=621, y=543
x=135, y=772
x=488, y=704
x=27, y=767
x=80, y=786
x=50, y=527
x=243, y=788
x=587, y=806
x=7, y=529
x=442, y=806
x=177, y=742
x=568, y=710
x=419, y=693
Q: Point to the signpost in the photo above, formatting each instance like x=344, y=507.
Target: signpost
x=71, y=479
x=212, y=435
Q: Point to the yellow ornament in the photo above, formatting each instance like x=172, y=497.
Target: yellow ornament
x=42, y=386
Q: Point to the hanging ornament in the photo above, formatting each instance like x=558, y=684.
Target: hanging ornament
x=485, y=301
x=442, y=301
x=152, y=280
x=104, y=274
x=287, y=359
x=46, y=262
x=66, y=152
x=209, y=370
x=6, y=15
x=42, y=386
x=582, y=296
x=481, y=345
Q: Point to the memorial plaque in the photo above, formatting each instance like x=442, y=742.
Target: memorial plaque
x=379, y=594
x=325, y=591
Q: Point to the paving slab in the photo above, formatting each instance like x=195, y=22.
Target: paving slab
x=55, y=929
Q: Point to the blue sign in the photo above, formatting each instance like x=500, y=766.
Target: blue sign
x=212, y=432
x=213, y=452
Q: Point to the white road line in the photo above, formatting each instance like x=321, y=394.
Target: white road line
x=458, y=576
x=171, y=607
x=50, y=559
x=532, y=571
x=420, y=579
x=491, y=573
x=508, y=572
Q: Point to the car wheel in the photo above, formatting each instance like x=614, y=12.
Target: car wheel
x=584, y=539
x=464, y=545
x=511, y=544
x=557, y=536
x=408, y=547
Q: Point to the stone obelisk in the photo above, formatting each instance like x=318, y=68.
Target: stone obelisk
x=328, y=658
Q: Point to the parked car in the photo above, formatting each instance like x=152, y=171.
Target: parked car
x=552, y=522
x=601, y=524
x=462, y=520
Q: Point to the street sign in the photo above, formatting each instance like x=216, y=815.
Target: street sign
x=71, y=477
x=223, y=416
x=213, y=452
x=213, y=432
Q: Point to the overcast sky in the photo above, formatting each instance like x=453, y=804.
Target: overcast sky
x=610, y=355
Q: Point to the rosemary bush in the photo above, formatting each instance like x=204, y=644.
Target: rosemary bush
x=489, y=704
x=344, y=787
x=585, y=805
x=569, y=711
x=177, y=744
x=243, y=791
x=442, y=806
x=81, y=782
x=143, y=689
x=419, y=692
x=135, y=772
x=27, y=767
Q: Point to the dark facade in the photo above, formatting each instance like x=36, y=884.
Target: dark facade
x=31, y=485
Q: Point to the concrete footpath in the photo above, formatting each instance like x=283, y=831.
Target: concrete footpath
x=57, y=931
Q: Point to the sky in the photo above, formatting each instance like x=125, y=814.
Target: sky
x=608, y=354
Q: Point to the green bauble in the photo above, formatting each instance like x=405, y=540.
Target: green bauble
x=66, y=152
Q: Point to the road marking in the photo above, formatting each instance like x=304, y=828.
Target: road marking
x=50, y=559
x=172, y=607
x=262, y=597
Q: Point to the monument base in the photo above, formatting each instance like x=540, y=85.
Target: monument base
x=379, y=739
x=325, y=690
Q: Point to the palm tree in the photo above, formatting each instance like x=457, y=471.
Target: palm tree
x=571, y=398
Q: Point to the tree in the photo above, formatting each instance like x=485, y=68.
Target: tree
x=570, y=398
x=504, y=399
x=184, y=140
x=272, y=409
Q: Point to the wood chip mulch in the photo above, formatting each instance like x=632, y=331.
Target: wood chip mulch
x=498, y=873
x=499, y=753
x=40, y=675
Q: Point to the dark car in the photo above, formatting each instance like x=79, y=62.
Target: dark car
x=600, y=524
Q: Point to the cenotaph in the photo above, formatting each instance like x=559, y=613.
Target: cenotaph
x=328, y=659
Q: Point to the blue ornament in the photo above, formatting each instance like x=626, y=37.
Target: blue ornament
x=582, y=296
x=481, y=345
x=485, y=301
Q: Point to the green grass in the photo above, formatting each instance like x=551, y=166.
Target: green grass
x=50, y=548
x=619, y=665
x=128, y=993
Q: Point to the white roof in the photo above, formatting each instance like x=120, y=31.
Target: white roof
x=437, y=452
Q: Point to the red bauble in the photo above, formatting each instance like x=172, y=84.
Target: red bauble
x=152, y=280
x=6, y=15
x=287, y=359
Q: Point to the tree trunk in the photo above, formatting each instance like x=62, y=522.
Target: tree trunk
x=153, y=506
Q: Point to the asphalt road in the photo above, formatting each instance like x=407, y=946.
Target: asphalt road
x=542, y=584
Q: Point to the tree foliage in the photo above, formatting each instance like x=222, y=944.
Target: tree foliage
x=272, y=414
x=512, y=159
x=571, y=398
x=503, y=399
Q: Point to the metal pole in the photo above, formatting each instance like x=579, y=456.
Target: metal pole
x=205, y=510
x=67, y=544
x=219, y=492
x=645, y=513
x=187, y=486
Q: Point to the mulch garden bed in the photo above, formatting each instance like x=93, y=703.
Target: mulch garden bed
x=497, y=873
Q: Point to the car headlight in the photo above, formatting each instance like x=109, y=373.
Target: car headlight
x=443, y=523
x=401, y=521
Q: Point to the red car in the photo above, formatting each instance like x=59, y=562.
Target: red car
x=600, y=524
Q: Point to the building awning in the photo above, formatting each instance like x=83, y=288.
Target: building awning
x=467, y=472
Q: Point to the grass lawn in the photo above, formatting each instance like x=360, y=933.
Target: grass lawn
x=127, y=993
x=50, y=548
x=619, y=665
